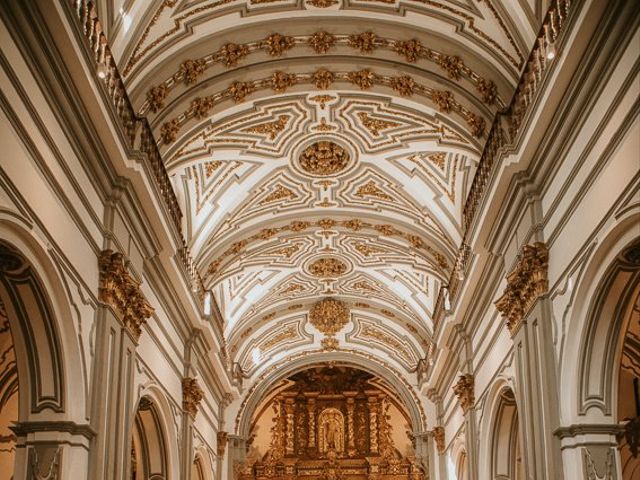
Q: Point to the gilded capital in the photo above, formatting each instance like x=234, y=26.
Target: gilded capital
x=464, y=391
x=120, y=290
x=438, y=437
x=525, y=284
x=222, y=438
x=191, y=396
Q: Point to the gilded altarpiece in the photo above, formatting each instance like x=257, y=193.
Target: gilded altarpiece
x=331, y=424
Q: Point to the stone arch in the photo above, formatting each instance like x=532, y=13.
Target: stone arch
x=48, y=360
x=202, y=467
x=289, y=367
x=587, y=370
x=154, y=444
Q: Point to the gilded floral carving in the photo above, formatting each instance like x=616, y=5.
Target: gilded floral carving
x=239, y=90
x=321, y=42
x=221, y=445
x=276, y=44
x=375, y=125
x=362, y=78
x=525, y=284
x=329, y=316
x=476, y=124
x=156, y=96
x=370, y=189
x=404, y=85
x=323, y=78
x=120, y=290
x=169, y=130
x=488, y=90
x=410, y=49
x=322, y=100
x=464, y=390
x=230, y=53
x=327, y=267
x=452, y=64
x=322, y=3
x=443, y=99
x=324, y=158
x=201, y=107
x=192, y=395
x=279, y=193
x=366, y=42
x=280, y=81
x=271, y=129
x=190, y=70
x=438, y=437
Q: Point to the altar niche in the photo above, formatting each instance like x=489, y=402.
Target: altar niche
x=333, y=423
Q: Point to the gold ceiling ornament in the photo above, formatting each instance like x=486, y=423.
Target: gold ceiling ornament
x=438, y=438
x=404, y=85
x=476, y=124
x=322, y=78
x=156, y=97
x=525, y=284
x=292, y=289
x=464, y=390
x=330, y=344
x=362, y=78
x=322, y=3
x=271, y=129
x=366, y=42
x=375, y=125
x=169, y=131
x=239, y=90
x=370, y=189
x=288, y=252
x=201, y=107
x=279, y=193
x=452, y=64
x=438, y=159
x=211, y=167
x=488, y=90
x=190, y=70
x=324, y=158
x=120, y=290
x=192, y=395
x=443, y=99
x=288, y=333
x=276, y=44
x=321, y=42
x=372, y=333
x=367, y=250
x=410, y=49
x=329, y=316
x=328, y=267
x=230, y=53
x=323, y=127
x=280, y=81
x=327, y=224
x=322, y=100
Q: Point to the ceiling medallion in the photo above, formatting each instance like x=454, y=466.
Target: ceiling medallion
x=329, y=316
x=327, y=267
x=324, y=158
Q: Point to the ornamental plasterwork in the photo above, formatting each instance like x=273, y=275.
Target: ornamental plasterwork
x=324, y=158
x=192, y=395
x=329, y=316
x=484, y=26
x=525, y=284
x=322, y=79
x=327, y=267
x=119, y=289
x=321, y=42
x=395, y=346
x=464, y=390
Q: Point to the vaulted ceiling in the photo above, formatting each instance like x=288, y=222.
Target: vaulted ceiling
x=322, y=149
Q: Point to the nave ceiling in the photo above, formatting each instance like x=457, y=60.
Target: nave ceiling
x=322, y=149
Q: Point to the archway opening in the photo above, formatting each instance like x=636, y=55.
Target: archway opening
x=328, y=419
x=148, y=446
x=506, y=461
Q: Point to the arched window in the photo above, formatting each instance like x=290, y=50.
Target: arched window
x=506, y=461
x=148, y=446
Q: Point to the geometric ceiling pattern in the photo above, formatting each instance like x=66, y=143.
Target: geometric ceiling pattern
x=323, y=149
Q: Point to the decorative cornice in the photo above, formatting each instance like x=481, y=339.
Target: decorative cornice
x=120, y=290
x=464, y=390
x=192, y=395
x=525, y=284
x=438, y=437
